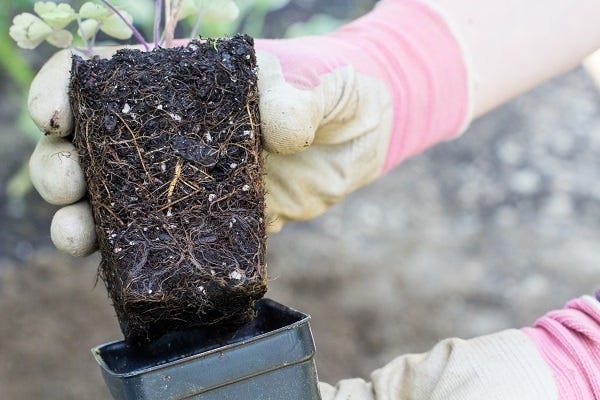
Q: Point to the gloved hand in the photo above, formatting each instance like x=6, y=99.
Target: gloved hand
x=557, y=358
x=337, y=111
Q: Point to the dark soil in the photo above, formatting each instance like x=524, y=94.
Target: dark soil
x=170, y=146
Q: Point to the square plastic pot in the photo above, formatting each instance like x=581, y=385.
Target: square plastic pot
x=271, y=357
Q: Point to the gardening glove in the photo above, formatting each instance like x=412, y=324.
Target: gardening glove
x=337, y=112
x=54, y=165
x=342, y=109
x=557, y=358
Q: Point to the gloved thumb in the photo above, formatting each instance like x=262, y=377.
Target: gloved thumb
x=290, y=116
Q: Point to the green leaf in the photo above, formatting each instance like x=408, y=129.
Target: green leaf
x=29, y=31
x=143, y=10
x=88, y=28
x=189, y=8
x=225, y=10
x=56, y=15
x=269, y=5
x=60, y=38
x=272, y=4
x=210, y=10
x=90, y=10
x=115, y=27
x=318, y=24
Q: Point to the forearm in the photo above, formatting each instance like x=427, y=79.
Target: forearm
x=557, y=359
x=407, y=48
x=569, y=342
x=444, y=62
x=514, y=45
x=505, y=365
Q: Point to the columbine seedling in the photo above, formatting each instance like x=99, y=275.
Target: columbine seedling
x=52, y=22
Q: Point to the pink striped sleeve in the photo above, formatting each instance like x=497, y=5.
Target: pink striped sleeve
x=569, y=342
x=408, y=46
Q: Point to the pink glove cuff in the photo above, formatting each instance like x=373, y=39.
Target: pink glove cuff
x=569, y=342
x=411, y=49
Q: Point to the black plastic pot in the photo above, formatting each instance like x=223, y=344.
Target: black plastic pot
x=269, y=358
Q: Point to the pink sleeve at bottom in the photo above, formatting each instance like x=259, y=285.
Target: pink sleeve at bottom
x=569, y=342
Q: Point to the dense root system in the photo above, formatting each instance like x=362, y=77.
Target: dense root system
x=169, y=143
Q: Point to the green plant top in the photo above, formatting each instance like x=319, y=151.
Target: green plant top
x=51, y=22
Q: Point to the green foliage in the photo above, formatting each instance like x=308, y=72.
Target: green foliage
x=256, y=12
x=29, y=31
x=19, y=184
x=13, y=63
x=210, y=10
x=211, y=18
x=113, y=25
x=94, y=11
x=51, y=20
x=50, y=23
x=316, y=25
x=226, y=17
x=16, y=67
x=56, y=15
x=143, y=12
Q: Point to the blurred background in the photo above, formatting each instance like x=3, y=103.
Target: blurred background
x=476, y=235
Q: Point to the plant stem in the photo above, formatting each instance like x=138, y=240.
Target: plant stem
x=167, y=22
x=89, y=43
x=157, y=14
x=85, y=51
x=171, y=22
x=92, y=42
x=135, y=32
x=194, y=31
x=82, y=36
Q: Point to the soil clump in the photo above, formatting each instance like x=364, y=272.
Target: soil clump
x=170, y=145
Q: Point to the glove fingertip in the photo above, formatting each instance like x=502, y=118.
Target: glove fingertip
x=289, y=119
x=55, y=171
x=72, y=230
